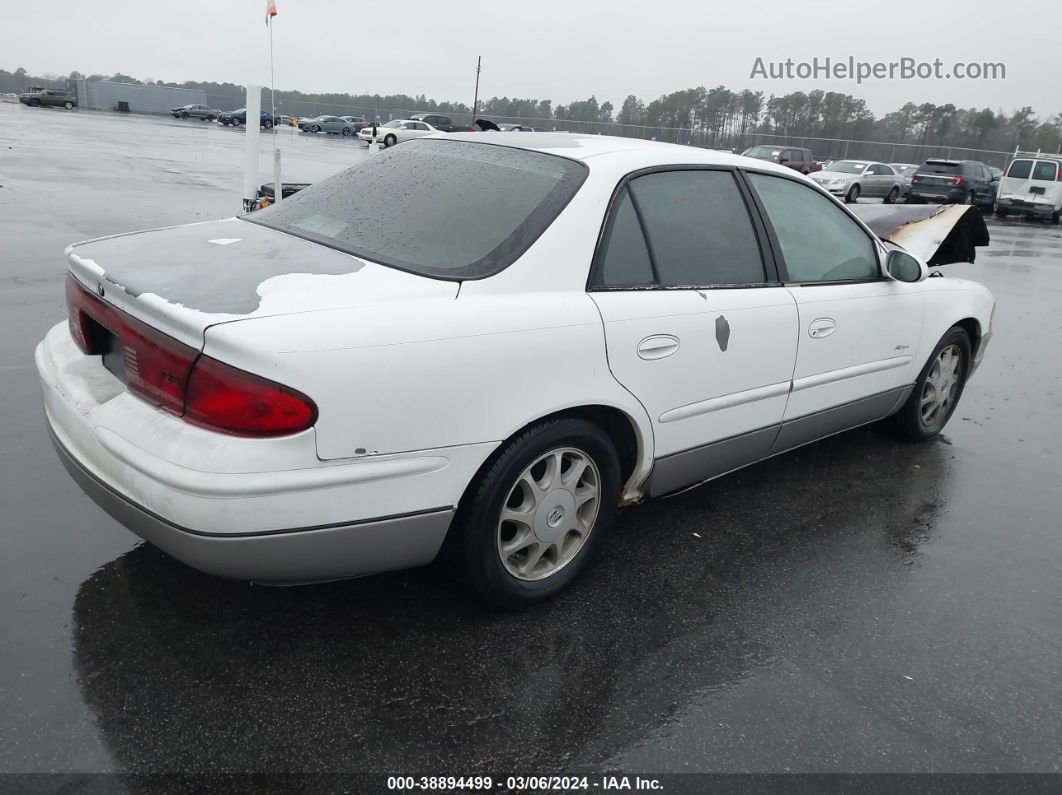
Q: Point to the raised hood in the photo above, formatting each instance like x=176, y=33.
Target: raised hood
x=184, y=279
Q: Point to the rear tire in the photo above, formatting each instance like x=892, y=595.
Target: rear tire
x=853, y=195
x=1055, y=217
x=184, y=114
x=937, y=389
x=268, y=124
x=68, y=105
x=346, y=132
x=1001, y=212
x=34, y=103
x=564, y=476
x=914, y=200
x=235, y=122
x=390, y=140
x=894, y=194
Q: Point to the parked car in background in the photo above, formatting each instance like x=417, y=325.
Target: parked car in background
x=440, y=122
x=1032, y=187
x=852, y=179
x=794, y=157
x=906, y=171
x=397, y=131
x=334, y=125
x=516, y=128
x=38, y=96
x=237, y=117
x=355, y=122
x=295, y=405
x=952, y=182
x=195, y=112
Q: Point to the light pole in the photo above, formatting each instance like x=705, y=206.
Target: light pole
x=475, y=101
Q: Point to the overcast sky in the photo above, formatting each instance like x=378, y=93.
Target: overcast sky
x=556, y=49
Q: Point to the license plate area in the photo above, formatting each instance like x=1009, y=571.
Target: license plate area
x=1037, y=190
x=114, y=358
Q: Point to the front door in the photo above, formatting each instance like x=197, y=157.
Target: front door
x=858, y=330
x=697, y=325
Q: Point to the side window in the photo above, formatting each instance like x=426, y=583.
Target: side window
x=698, y=228
x=442, y=121
x=819, y=241
x=625, y=258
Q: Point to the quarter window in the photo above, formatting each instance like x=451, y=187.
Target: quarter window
x=698, y=228
x=625, y=259
x=819, y=241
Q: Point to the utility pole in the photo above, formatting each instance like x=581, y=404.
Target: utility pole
x=475, y=102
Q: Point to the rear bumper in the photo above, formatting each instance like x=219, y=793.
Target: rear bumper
x=1039, y=209
x=942, y=195
x=278, y=557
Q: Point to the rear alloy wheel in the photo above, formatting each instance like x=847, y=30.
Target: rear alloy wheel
x=535, y=517
x=316, y=128
x=268, y=124
x=390, y=140
x=68, y=104
x=937, y=391
x=346, y=131
x=853, y=195
x=894, y=194
x=235, y=122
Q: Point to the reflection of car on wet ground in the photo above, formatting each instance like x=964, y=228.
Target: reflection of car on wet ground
x=297, y=406
x=38, y=96
x=237, y=117
x=952, y=182
x=195, y=112
x=796, y=158
x=397, y=131
x=852, y=179
x=1032, y=187
x=327, y=124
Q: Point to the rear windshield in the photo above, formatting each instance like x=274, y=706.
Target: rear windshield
x=764, y=152
x=930, y=167
x=1045, y=169
x=449, y=209
x=1020, y=169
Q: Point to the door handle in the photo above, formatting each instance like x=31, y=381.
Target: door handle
x=821, y=327
x=658, y=346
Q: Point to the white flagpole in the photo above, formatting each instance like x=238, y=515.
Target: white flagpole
x=278, y=187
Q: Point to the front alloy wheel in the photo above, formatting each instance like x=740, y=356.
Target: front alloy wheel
x=549, y=514
x=941, y=386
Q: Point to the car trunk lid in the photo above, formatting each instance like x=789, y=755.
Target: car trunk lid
x=182, y=280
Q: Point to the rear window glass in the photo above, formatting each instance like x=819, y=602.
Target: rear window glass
x=1045, y=170
x=1020, y=169
x=450, y=209
x=940, y=168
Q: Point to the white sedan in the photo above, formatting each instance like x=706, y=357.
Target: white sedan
x=320, y=390
x=397, y=131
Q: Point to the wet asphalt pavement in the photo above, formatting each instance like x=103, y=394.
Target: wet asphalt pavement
x=857, y=605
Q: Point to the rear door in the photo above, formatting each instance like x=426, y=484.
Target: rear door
x=858, y=331
x=697, y=325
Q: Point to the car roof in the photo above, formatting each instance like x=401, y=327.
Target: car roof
x=598, y=148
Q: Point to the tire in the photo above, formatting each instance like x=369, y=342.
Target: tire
x=543, y=452
x=910, y=422
x=971, y=198
x=894, y=194
x=316, y=128
x=853, y=194
x=390, y=140
x=235, y=122
x=1001, y=212
x=1056, y=217
x=268, y=124
x=346, y=132
x=34, y=103
x=184, y=114
x=68, y=105
x=914, y=200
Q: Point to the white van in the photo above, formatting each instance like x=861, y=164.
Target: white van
x=1031, y=186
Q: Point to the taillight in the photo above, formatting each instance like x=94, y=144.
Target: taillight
x=156, y=366
x=916, y=177
x=224, y=398
x=1058, y=176
x=177, y=378
x=958, y=180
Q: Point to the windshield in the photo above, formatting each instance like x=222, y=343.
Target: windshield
x=763, y=152
x=940, y=167
x=848, y=166
x=449, y=209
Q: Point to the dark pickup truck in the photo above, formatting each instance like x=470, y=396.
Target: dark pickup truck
x=797, y=158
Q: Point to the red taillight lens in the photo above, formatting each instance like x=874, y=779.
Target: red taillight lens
x=156, y=366
x=958, y=180
x=177, y=378
x=224, y=398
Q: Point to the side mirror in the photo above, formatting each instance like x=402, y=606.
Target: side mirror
x=783, y=160
x=902, y=267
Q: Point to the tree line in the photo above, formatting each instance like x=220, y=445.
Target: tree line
x=706, y=116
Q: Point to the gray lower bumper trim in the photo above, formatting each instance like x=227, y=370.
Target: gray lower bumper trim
x=324, y=553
